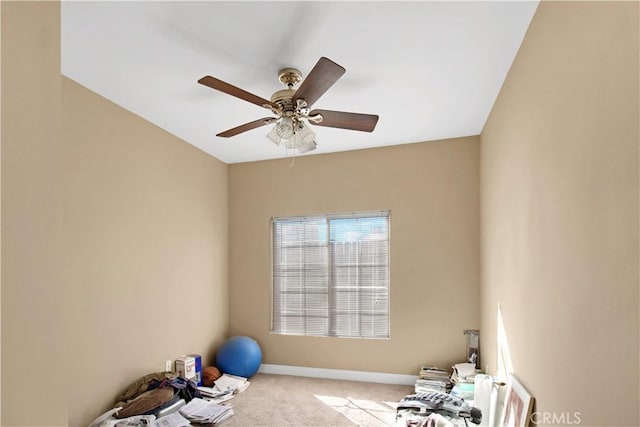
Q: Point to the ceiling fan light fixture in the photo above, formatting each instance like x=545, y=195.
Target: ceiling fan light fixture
x=305, y=135
x=307, y=146
x=284, y=128
x=302, y=138
x=273, y=136
x=291, y=108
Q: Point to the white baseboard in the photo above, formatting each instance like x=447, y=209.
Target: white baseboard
x=339, y=374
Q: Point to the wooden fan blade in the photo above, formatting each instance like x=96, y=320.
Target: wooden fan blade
x=247, y=126
x=340, y=119
x=229, y=89
x=323, y=75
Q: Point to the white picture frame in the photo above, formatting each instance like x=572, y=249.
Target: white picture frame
x=518, y=404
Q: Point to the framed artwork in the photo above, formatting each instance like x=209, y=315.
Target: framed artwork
x=518, y=404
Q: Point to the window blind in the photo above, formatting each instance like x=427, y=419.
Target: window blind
x=331, y=275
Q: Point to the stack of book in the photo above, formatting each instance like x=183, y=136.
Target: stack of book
x=431, y=378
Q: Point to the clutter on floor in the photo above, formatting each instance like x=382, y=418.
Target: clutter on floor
x=190, y=394
x=164, y=399
x=441, y=398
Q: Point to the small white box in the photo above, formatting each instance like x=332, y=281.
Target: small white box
x=186, y=367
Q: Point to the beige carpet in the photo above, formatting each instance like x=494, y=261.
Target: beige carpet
x=283, y=400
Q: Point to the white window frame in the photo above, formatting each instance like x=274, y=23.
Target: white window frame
x=373, y=294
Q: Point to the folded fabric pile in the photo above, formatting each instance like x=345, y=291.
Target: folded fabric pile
x=152, y=393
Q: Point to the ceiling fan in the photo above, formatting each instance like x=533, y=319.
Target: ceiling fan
x=292, y=107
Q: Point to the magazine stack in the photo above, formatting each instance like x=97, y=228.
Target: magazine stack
x=433, y=379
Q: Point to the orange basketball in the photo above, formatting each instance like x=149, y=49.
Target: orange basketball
x=209, y=375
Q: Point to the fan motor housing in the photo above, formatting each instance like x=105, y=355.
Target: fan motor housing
x=283, y=96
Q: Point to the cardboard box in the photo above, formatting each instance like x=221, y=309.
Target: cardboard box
x=198, y=376
x=186, y=367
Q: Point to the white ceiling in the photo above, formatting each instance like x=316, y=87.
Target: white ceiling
x=430, y=70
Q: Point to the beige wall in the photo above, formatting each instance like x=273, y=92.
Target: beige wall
x=105, y=217
x=32, y=296
x=559, y=188
x=114, y=243
x=145, y=220
x=432, y=192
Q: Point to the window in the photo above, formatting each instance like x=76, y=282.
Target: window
x=331, y=275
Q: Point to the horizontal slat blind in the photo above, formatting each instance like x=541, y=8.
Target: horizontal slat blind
x=300, y=276
x=331, y=275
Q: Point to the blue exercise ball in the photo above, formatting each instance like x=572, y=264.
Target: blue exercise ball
x=239, y=356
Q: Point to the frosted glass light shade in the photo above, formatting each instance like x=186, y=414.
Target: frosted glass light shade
x=300, y=138
x=307, y=146
x=284, y=128
x=306, y=139
x=273, y=136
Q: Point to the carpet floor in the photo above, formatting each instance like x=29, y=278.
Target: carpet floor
x=283, y=400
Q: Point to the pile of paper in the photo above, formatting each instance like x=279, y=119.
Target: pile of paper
x=213, y=394
x=224, y=388
x=431, y=378
x=174, y=419
x=136, y=420
x=231, y=382
x=205, y=412
x=464, y=373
